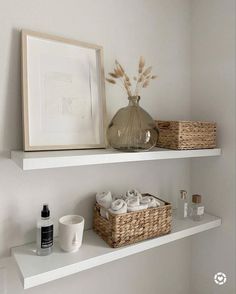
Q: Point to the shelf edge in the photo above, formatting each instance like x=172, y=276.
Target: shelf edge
x=48, y=162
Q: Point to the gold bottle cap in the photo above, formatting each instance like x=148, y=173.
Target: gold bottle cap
x=196, y=198
x=183, y=194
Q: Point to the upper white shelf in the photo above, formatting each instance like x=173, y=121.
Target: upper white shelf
x=55, y=159
x=36, y=270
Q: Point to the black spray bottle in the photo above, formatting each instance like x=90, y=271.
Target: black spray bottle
x=44, y=232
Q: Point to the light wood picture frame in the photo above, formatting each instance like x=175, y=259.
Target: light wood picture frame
x=63, y=93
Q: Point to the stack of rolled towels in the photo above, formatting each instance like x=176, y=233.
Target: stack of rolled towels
x=133, y=200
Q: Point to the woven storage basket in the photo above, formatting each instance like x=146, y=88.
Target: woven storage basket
x=186, y=134
x=131, y=227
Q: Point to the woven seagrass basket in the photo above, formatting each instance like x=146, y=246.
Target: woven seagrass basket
x=131, y=227
x=182, y=135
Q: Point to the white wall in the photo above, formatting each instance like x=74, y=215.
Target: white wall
x=213, y=98
x=157, y=29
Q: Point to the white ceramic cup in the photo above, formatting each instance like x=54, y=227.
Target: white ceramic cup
x=71, y=228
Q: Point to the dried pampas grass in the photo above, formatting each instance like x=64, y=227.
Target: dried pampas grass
x=120, y=77
x=111, y=81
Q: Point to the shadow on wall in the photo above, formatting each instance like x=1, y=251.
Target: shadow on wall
x=84, y=208
x=12, y=129
x=11, y=230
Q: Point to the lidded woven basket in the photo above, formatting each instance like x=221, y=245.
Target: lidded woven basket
x=131, y=227
x=186, y=135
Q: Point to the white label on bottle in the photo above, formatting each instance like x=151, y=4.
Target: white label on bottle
x=200, y=210
x=185, y=209
x=46, y=237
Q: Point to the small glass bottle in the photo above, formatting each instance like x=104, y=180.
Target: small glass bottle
x=182, y=207
x=44, y=232
x=197, y=209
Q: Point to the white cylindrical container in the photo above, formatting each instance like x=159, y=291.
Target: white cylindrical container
x=71, y=228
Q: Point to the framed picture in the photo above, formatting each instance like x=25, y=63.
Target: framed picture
x=63, y=93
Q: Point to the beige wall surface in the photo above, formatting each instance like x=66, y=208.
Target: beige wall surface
x=159, y=30
x=213, y=98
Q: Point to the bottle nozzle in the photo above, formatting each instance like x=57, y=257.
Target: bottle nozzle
x=45, y=211
x=183, y=194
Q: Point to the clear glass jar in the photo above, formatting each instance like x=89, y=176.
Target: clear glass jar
x=197, y=208
x=132, y=128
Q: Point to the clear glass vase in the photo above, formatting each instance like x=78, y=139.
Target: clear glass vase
x=132, y=128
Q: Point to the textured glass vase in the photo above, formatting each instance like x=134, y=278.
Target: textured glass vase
x=132, y=128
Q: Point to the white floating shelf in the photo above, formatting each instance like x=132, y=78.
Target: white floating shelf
x=36, y=270
x=55, y=159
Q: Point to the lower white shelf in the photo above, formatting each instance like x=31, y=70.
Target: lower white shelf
x=36, y=270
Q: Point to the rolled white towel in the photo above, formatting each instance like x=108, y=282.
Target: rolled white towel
x=104, y=213
x=115, y=197
x=104, y=199
x=118, y=206
x=133, y=201
x=133, y=204
x=150, y=201
x=138, y=207
x=132, y=193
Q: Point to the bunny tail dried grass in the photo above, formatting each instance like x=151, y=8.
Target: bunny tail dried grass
x=147, y=71
x=118, y=72
x=114, y=75
x=141, y=64
x=142, y=79
x=127, y=78
x=110, y=81
x=119, y=67
x=146, y=83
